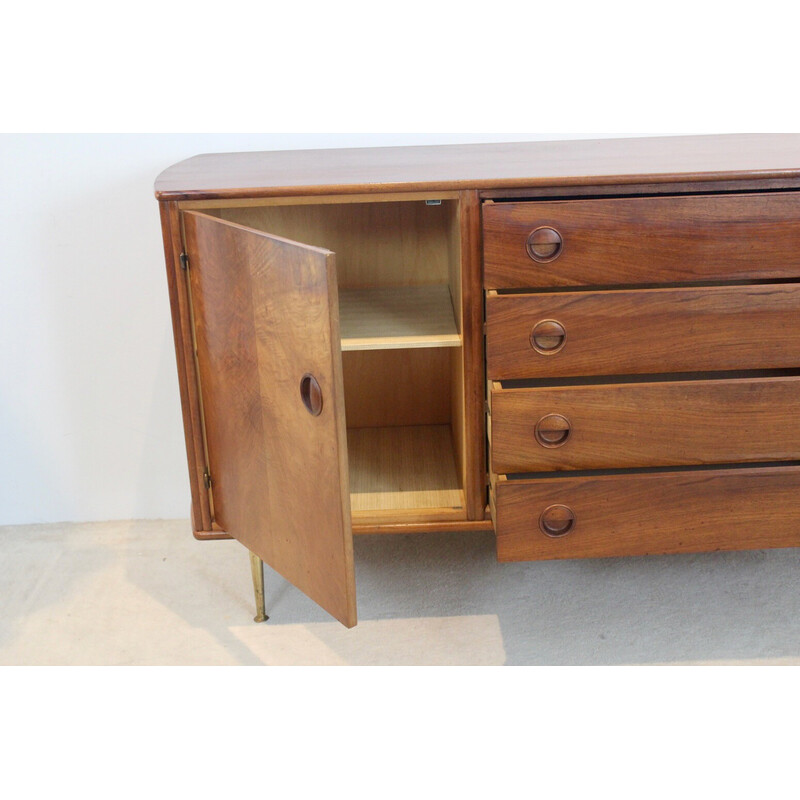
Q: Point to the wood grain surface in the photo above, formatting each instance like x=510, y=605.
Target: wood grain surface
x=398, y=318
x=377, y=244
x=180, y=308
x=471, y=414
x=483, y=166
x=398, y=469
x=265, y=316
x=642, y=514
x=645, y=240
x=650, y=330
x=649, y=424
x=398, y=387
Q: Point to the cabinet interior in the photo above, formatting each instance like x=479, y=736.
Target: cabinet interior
x=398, y=267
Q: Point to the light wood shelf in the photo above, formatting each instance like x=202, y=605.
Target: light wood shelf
x=397, y=319
x=403, y=468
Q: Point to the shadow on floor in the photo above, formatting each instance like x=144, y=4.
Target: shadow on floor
x=660, y=609
x=147, y=593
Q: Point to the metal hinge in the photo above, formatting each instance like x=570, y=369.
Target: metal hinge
x=207, y=479
x=184, y=261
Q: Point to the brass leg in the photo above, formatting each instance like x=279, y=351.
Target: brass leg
x=257, y=566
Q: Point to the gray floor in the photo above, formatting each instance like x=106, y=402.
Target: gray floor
x=145, y=592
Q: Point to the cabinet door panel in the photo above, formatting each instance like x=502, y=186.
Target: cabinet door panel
x=267, y=330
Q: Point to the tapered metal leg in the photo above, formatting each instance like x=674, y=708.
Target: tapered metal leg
x=257, y=566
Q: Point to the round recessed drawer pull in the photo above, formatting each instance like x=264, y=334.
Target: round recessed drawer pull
x=548, y=337
x=556, y=521
x=311, y=395
x=553, y=430
x=544, y=244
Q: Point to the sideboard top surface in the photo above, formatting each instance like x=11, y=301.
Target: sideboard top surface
x=577, y=162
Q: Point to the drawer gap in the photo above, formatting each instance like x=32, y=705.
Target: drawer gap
x=550, y=194
x=671, y=377
x=626, y=287
x=589, y=473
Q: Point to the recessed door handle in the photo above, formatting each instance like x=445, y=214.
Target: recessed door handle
x=548, y=337
x=553, y=430
x=311, y=395
x=557, y=520
x=544, y=244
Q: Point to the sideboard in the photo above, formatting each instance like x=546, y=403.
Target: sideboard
x=591, y=348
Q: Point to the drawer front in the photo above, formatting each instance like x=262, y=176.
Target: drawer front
x=645, y=424
x=650, y=330
x=643, y=240
x=642, y=514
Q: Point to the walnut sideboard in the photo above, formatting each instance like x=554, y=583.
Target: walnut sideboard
x=591, y=348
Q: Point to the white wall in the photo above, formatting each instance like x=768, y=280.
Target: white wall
x=90, y=423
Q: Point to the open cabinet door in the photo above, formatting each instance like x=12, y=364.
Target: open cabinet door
x=266, y=318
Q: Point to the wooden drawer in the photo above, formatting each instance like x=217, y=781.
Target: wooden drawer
x=644, y=424
x=642, y=240
x=639, y=514
x=649, y=330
